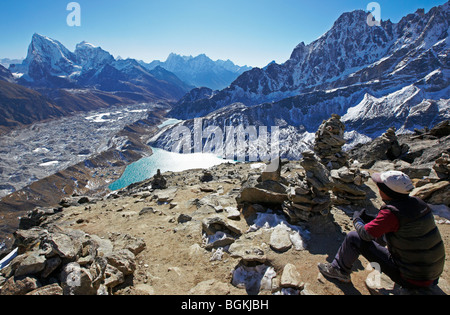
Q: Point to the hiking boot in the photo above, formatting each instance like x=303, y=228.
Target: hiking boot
x=331, y=272
x=434, y=290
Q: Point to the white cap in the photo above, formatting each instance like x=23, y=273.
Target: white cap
x=395, y=180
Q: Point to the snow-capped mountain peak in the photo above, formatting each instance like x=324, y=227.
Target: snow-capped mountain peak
x=46, y=57
x=86, y=44
x=201, y=71
x=52, y=66
x=351, y=52
x=91, y=57
x=375, y=77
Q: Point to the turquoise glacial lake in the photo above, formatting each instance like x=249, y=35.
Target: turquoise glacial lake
x=164, y=161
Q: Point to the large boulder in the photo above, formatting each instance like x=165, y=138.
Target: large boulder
x=268, y=188
x=385, y=147
x=434, y=193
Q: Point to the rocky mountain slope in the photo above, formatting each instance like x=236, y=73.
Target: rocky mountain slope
x=395, y=72
x=51, y=65
x=197, y=233
x=21, y=106
x=60, y=82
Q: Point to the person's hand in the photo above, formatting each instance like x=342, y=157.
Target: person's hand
x=357, y=215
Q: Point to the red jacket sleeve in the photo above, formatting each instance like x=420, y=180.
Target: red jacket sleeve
x=385, y=222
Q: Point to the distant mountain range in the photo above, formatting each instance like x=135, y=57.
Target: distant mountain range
x=59, y=81
x=5, y=62
x=375, y=77
x=51, y=65
x=53, y=82
x=200, y=71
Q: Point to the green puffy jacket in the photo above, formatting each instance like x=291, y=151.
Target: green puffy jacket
x=417, y=246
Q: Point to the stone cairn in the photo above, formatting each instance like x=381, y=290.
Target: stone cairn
x=442, y=167
x=329, y=141
x=395, y=150
x=347, y=186
x=158, y=181
x=311, y=196
x=385, y=147
x=347, y=181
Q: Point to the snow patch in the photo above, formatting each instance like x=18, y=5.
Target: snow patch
x=51, y=163
x=41, y=150
x=253, y=279
x=441, y=210
x=271, y=220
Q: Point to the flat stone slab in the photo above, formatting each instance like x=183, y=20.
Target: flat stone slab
x=280, y=240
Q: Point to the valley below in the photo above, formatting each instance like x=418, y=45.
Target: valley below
x=74, y=155
x=42, y=149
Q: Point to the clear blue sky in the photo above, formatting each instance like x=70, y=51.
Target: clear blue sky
x=252, y=32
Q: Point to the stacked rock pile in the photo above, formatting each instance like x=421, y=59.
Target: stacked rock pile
x=385, y=147
x=442, y=166
x=436, y=190
x=395, y=150
x=158, y=181
x=329, y=141
x=347, y=186
x=311, y=196
x=347, y=181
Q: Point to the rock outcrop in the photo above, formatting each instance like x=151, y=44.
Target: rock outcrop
x=385, y=147
x=55, y=261
x=266, y=188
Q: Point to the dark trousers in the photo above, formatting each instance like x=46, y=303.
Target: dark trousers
x=353, y=246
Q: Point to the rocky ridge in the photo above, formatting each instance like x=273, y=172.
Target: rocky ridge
x=394, y=74
x=203, y=236
x=350, y=53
